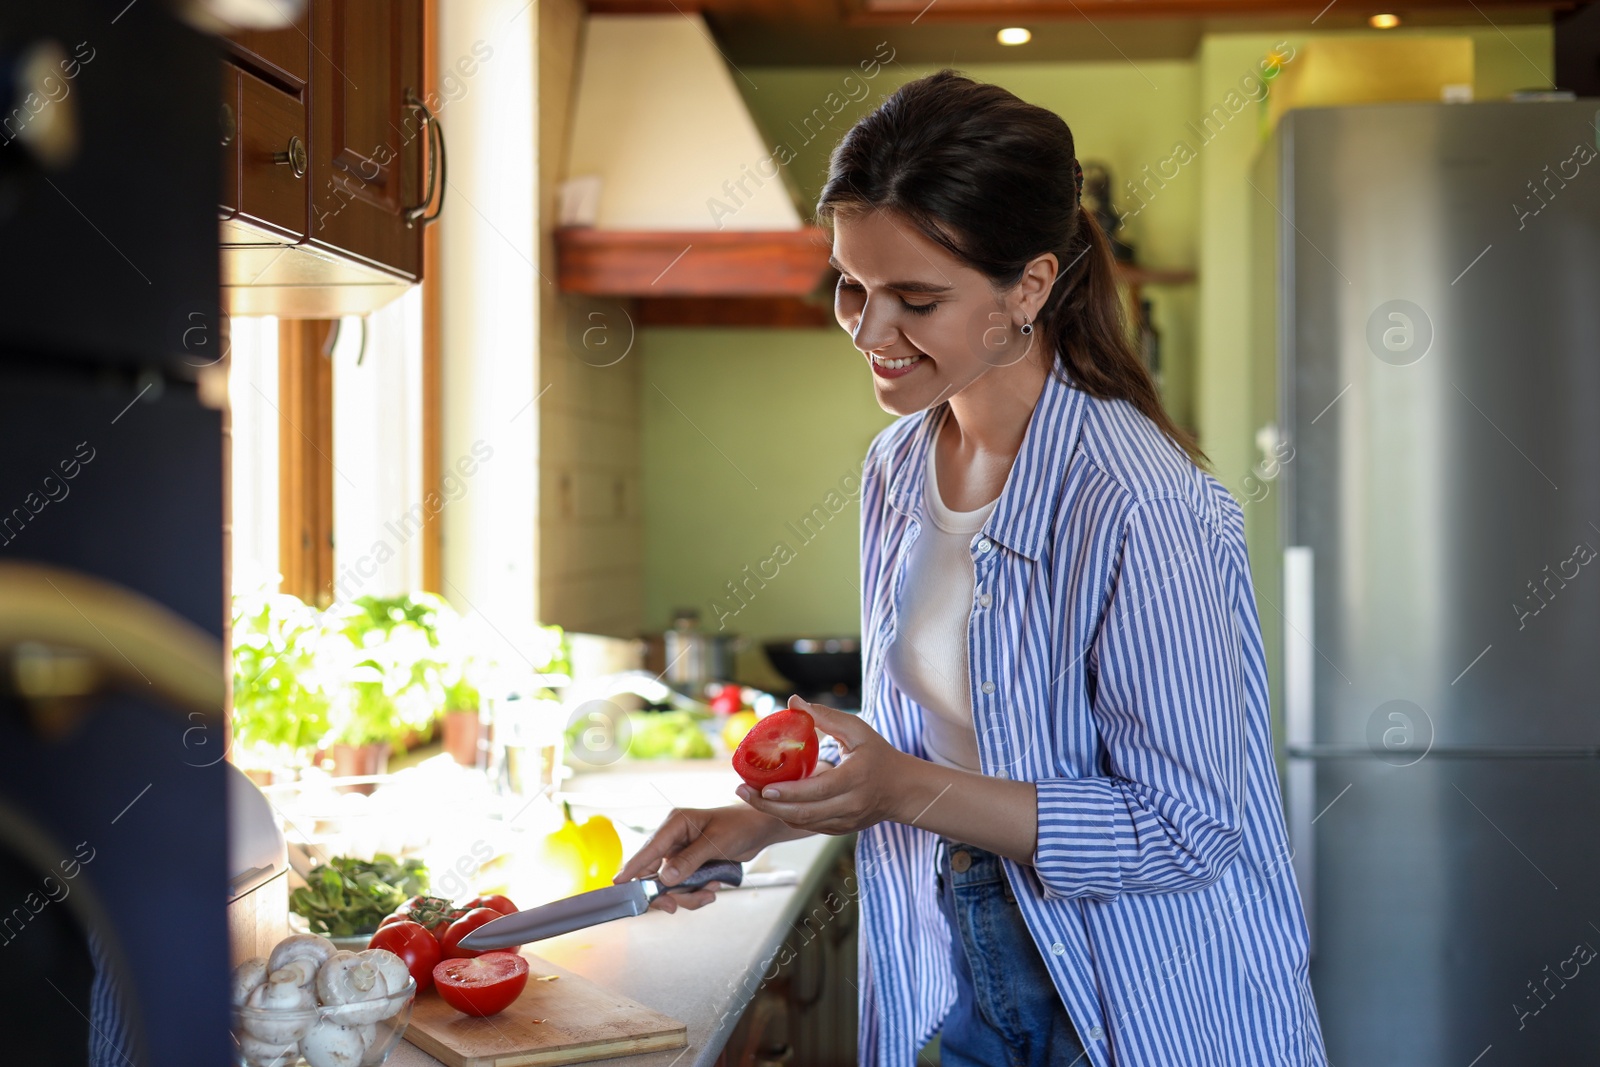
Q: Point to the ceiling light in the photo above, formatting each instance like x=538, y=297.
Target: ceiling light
x=1384, y=22
x=1014, y=35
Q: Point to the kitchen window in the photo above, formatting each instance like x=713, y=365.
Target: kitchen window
x=328, y=421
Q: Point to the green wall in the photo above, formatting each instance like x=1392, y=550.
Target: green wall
x=746, y=432
x=793, y=410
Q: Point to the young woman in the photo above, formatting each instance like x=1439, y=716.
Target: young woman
x=1071, y=847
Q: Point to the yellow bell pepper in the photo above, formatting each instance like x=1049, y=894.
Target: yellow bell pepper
x=590, y=852
x=738, y=724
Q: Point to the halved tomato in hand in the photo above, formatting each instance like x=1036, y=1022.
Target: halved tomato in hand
x=483, y=985
x=779, y=748
x=412, y=943
x=450, y=940
x=499, y=903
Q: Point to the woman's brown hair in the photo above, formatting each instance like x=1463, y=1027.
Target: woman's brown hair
x=991, y=178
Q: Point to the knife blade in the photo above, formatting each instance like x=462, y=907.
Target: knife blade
x=592, y=908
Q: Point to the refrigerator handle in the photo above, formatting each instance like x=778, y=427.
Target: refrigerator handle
x=1299, y=690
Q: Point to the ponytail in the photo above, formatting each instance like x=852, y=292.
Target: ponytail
x=1085, y=322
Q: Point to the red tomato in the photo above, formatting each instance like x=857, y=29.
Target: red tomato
x=413, y=943
x=727, y=701
x=450, y=940
x=779, y=748
x=501, y=904
x=484, y=985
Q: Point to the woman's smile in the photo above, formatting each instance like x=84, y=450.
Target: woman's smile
x=896, y=366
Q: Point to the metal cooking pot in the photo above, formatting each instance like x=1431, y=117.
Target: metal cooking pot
x=691, y=657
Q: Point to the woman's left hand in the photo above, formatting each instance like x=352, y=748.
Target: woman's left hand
x=866, y=787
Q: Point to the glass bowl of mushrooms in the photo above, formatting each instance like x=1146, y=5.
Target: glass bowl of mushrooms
x=312, y=1004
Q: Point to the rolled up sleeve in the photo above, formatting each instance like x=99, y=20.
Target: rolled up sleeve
x=1164, y=671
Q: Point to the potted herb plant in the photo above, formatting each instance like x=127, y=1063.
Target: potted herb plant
x=387, y=665
x=464, y=731
x=280, y=701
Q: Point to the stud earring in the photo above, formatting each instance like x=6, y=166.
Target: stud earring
x=1027, y=328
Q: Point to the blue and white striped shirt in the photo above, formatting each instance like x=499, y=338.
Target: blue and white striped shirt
x=1116, y=662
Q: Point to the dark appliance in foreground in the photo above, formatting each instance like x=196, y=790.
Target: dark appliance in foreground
x=113, y=810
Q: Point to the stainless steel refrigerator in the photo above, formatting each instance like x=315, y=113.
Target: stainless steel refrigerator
x=1427, y=316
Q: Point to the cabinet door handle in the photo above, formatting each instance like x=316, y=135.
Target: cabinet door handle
x=294, y=158
x=436, y=162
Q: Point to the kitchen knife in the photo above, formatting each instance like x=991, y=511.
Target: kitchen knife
x=591, y=908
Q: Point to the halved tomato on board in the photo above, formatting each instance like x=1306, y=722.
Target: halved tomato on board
x=483, y=985
x=779, y=748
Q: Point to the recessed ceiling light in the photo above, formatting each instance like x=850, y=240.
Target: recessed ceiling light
x=1384, y=22
x=1014, y=35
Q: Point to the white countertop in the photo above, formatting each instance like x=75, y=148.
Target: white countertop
x=701, y=967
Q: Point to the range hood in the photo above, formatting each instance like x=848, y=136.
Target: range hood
x=673, y=188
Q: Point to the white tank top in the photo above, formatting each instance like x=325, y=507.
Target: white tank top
x=928, y=656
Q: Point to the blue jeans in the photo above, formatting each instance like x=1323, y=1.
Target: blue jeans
x=1007, y=1011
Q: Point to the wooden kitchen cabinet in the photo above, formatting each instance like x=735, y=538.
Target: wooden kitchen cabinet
x=805, y=1014
x=369, y=169
x=265, y=79
x=273, y=161
x=334, y=164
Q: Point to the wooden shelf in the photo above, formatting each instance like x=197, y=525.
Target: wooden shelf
x=1135, y=276
x=711, y=263
x=771, y=312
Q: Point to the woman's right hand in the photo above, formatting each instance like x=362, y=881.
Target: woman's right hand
x=689, y=837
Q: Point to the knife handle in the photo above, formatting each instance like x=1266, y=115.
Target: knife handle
x=725, y=871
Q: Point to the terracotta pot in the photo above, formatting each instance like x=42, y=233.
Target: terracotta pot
x=465, y=737
x=361, y=760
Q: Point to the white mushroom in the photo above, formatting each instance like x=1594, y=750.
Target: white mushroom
x=356, y=986
x=260, y=1053
x=283, y=1009
x=316, y=949
x=303, y=970
x=396, y=975
x=249, y=974
x=332, y=1044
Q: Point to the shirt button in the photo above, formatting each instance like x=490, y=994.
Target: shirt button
x=1095, y=1033
x=1058, y=949
x=983, y=546
x=988, y=687
x=1002, y=773
x=984, y=599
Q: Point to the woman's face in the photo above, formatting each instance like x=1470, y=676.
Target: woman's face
x=928, y=324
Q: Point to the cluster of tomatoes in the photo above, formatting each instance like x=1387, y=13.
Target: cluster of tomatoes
x=426, y=933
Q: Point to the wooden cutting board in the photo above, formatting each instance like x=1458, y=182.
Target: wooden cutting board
x=567, y=1019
